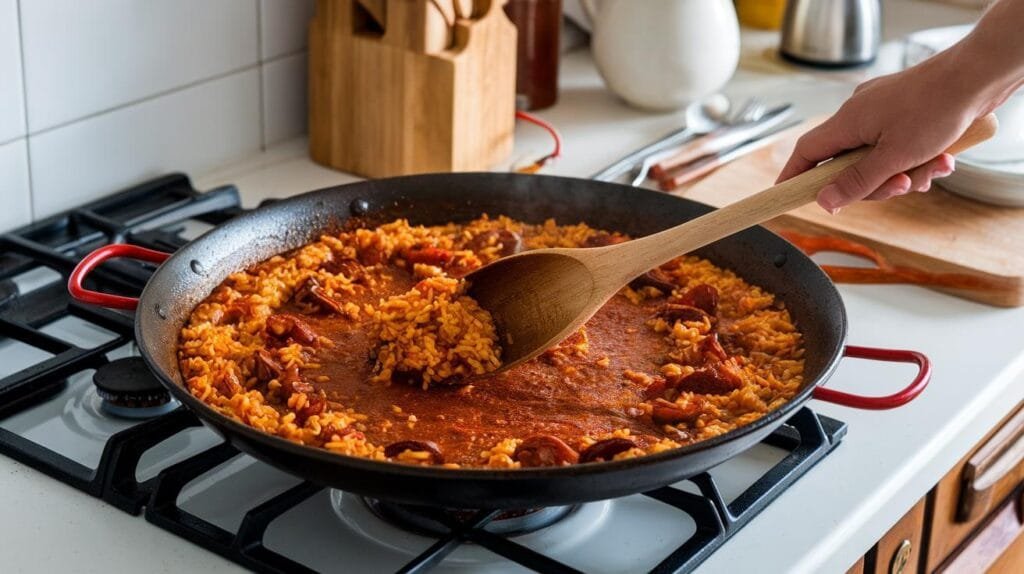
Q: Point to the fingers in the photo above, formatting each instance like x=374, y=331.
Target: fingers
x=841, y=193
x=922, y=176
x=899, y=184
x=861, y=179
x=819, y=144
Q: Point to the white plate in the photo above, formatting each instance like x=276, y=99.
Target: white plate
x=993, y=171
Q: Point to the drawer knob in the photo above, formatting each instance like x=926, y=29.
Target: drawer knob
x=901, y=557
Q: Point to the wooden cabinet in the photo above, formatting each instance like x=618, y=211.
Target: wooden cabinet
x=899, y=551
x=966, y=498
x=972, y=521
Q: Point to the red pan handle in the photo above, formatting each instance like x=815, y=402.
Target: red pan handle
x=95, y=259
x=909, y=393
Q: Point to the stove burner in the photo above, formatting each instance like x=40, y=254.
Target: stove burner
x=433, y=521
x=130, y=390
x=8, y=291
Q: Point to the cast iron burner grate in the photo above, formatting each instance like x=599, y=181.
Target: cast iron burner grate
x=152, y=215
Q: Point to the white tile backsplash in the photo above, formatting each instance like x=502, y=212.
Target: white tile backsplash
x=283, y=25
x=12, y=105
x=85, y=57
x=96, y=95
x=192, y=130
x=284, y=98
x=14, y=188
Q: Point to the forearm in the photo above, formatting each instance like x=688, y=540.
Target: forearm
x=989, y=62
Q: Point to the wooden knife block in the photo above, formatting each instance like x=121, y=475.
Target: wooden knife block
x=379, y=105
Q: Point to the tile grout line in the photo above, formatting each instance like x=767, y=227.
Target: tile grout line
x=259, y=57
x=153, y=96
x=279, y=57
x=24, y=109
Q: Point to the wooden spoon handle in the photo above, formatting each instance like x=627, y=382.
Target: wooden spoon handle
x=653, y=250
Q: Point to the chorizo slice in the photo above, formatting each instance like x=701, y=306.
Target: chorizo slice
x=669, y=413
x=714, y=379
x=606, y=449
x=312, y=294
x=544, y=450
x=703, y=297
x=654, y=278
x=673, y=312
x=265, y=367
x=396, y=448
x=285, y=326
x=428, y=255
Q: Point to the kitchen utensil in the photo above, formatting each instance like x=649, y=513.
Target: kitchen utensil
x=464, y=8
x=540, y=297
x=753, y=110
x=664, y=54
x=701, y=117
x=381, y=105
x=377, y=10
x=831, y=33
x=187, y=277
x=722, y=139
x=975, y=249
x=420, y=26
x=706, y=165
x=538, y=23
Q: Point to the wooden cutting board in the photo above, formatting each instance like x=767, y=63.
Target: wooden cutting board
x=939, y=239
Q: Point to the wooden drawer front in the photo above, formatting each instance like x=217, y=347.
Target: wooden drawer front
x=966, y=496
x=997, y=547
x=899, y=551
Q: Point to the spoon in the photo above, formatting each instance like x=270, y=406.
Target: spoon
x=701, y=117
x=752, y=111
x=538, y=298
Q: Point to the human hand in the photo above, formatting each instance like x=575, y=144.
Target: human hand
x=909, y=117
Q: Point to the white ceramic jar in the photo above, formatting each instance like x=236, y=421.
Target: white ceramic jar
x=663, y=54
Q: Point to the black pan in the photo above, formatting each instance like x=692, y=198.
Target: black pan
x=765, y=259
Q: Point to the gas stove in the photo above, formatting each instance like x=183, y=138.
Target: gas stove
x=78, y=404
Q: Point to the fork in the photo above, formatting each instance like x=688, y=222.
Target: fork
x=751, y=111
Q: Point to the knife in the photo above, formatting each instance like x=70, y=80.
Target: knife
x=722, y=139
x=705, y=165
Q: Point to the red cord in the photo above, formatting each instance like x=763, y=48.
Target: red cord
x=557, y=152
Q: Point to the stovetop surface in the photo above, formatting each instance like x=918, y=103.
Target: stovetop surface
x=182, y=477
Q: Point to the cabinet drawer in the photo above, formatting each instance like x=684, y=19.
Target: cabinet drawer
x=997, y=546
x=970, y=493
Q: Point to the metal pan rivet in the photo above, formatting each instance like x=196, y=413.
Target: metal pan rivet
x=780, y=260
x=359, y=207
x=197, y=267
x=160, y=312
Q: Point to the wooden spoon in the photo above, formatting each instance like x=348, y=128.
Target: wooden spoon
x=538, y=298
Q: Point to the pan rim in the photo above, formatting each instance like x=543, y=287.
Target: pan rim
x=213, y=419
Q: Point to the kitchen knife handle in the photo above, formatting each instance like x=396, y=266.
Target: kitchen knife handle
x=97, y=258
x=898, y=399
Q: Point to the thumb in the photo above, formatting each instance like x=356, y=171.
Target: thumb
x=860, y=179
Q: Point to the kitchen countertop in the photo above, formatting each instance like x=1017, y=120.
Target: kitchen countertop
x=824, y=522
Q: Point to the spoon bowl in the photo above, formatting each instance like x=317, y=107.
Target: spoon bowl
x=526, y=317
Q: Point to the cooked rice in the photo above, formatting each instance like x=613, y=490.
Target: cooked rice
x=435, y=331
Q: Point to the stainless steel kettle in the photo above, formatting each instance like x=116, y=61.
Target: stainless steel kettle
x=832, y=33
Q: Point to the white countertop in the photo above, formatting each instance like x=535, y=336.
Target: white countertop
x=823, y=523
